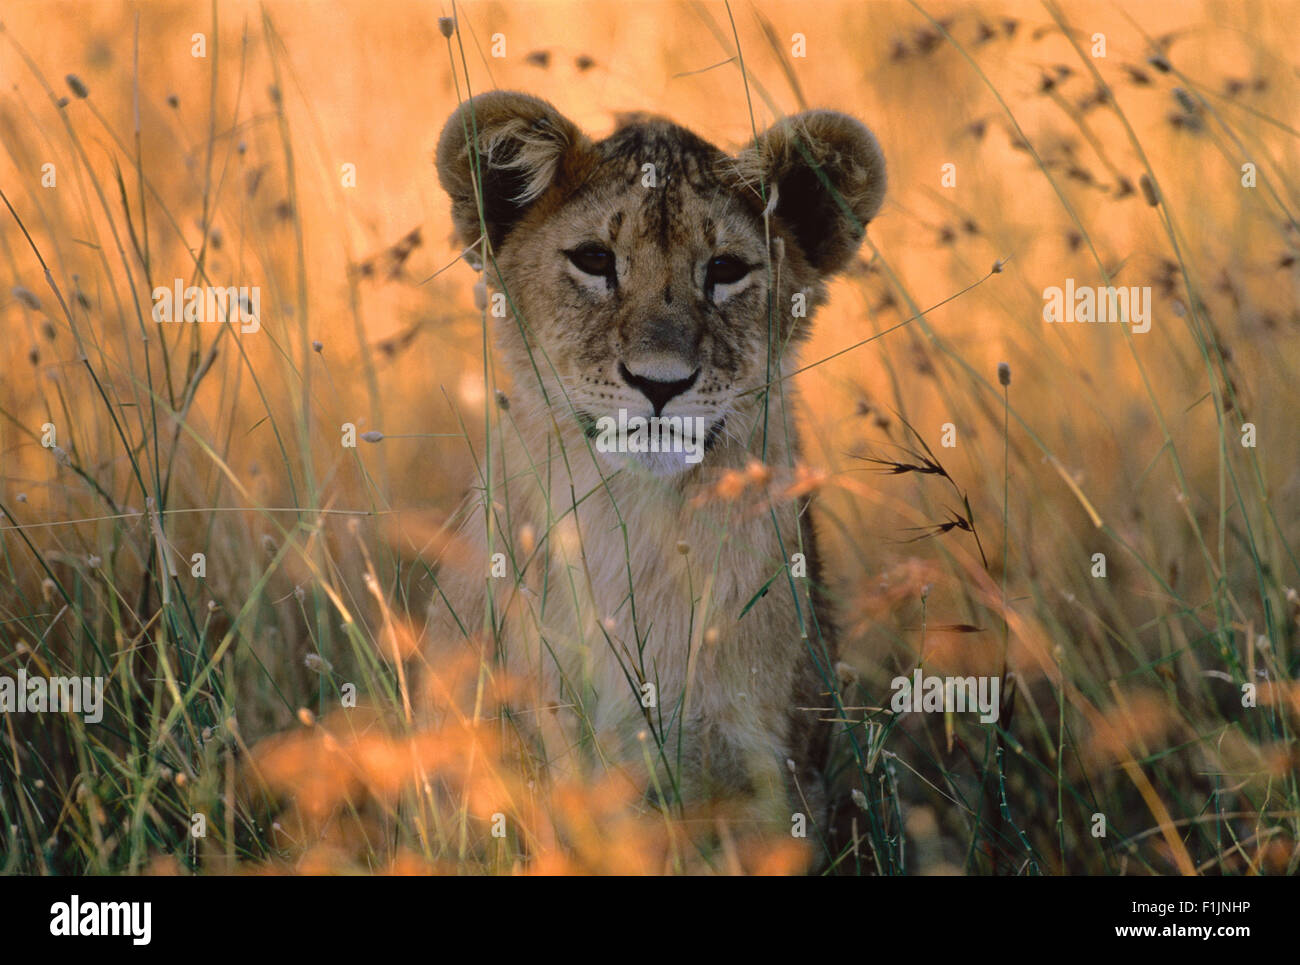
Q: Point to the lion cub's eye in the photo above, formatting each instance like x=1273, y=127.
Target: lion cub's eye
x=592, y=258
x=725, y=269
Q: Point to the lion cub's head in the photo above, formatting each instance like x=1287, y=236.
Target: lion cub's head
x=639, y=272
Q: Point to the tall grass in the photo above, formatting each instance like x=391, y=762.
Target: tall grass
x=228, y=694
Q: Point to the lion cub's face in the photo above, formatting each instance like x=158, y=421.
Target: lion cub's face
x=638, y=267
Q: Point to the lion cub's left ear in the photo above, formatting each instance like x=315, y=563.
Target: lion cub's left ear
x=829, y=178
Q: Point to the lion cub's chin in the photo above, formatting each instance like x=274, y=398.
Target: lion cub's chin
x=654, y=446
x=661, y=464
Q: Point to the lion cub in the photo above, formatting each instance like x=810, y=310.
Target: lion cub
x=647, y=292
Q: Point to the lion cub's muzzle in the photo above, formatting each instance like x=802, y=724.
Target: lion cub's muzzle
x=660, y=392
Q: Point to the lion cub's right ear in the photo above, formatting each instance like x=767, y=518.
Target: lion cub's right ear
x=523, y=147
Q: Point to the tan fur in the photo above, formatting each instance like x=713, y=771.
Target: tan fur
x=599, y=598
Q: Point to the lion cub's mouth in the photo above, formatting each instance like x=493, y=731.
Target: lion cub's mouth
x=590, y=425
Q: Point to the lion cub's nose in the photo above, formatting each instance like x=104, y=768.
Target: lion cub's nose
x=659, y=391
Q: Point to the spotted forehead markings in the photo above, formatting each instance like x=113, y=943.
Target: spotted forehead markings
x=680, y=168
x=677, y=154
x=682, y=161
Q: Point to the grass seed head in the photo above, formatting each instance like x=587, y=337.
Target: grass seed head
x=1149, y=190
x=27, y=297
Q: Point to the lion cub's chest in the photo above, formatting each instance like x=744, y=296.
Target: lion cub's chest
x=653, y=594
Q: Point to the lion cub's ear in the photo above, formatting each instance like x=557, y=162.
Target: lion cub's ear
x=524, y=145
x=829, y=178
